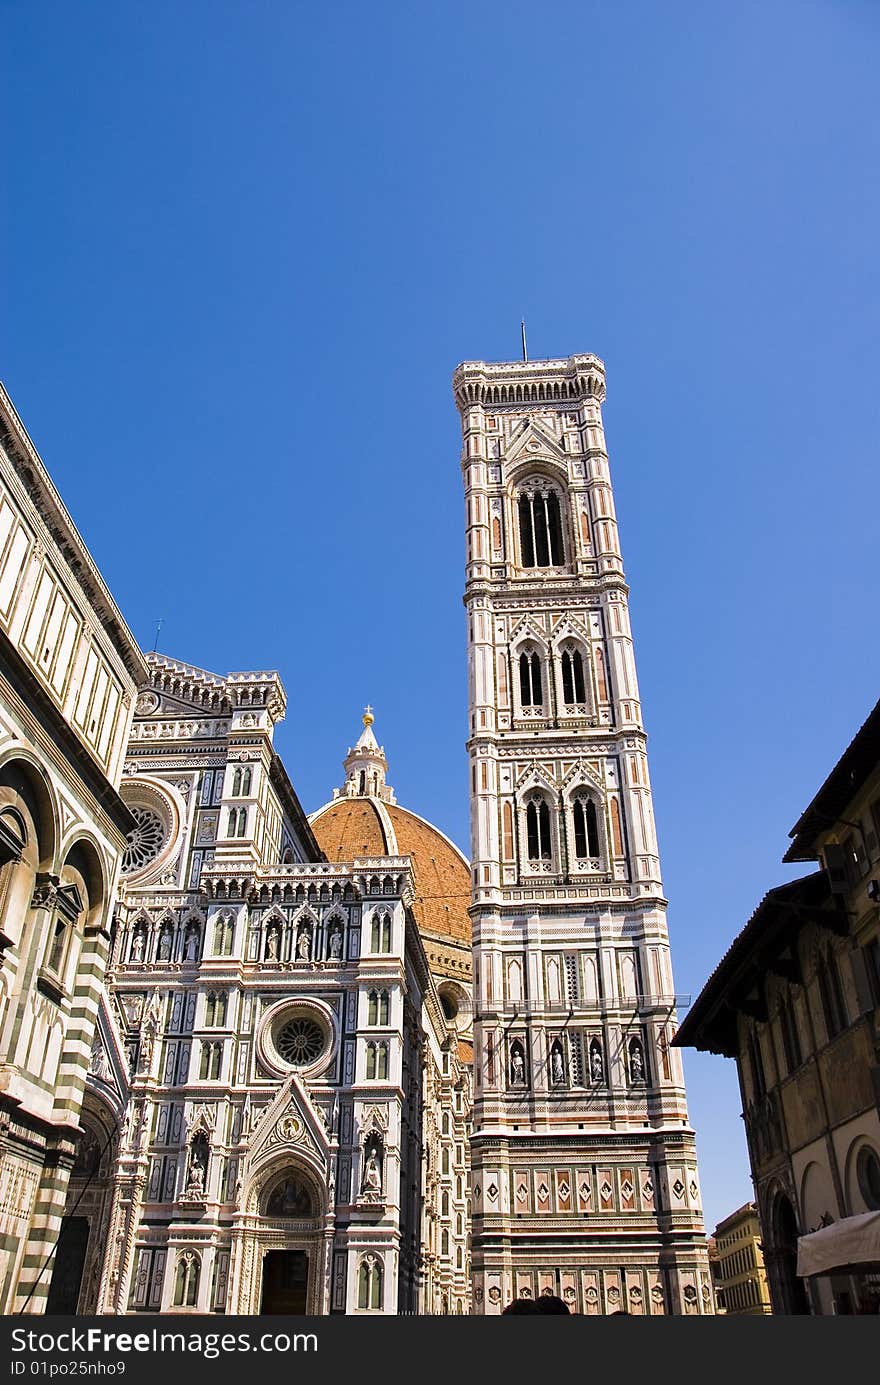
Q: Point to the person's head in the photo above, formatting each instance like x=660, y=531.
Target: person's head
x=551, y=1303
x=522, y=1305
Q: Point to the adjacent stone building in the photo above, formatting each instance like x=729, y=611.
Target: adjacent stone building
x=69, y=669
x=583, y=1161
x=796, y=1002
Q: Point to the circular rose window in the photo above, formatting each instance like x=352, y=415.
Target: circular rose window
x=145, y=840
x=300, y=1041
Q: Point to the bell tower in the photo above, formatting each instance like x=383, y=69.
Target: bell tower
x=584, y=1176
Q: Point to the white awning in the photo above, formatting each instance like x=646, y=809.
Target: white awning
x=852, y=1243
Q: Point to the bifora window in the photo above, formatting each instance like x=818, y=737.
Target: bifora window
x=530, y=690
x=538, y=830
x=540, y=529
x=586, y=828
x=573, y=690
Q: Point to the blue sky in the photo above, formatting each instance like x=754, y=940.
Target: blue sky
x=245, y=245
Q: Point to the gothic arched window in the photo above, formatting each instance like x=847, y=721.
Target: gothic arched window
x=831, y=993
x=370, y=1283
x=540, y=529
x=586, y=828
x=381, y=1061
x=383, y=1007
x=573, y=690
x=538, y=830
x=380, y=935
x=223, y=935
x=531, y=693
x=186, y=1281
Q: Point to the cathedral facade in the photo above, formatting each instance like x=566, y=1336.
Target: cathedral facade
x=277, y=1110
x=584, y=1174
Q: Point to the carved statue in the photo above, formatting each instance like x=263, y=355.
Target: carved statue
x=334, y=944
x=164, y=953
x=636, y=1062
x=198, y=1167
x=272, y=945
x=98, y=1065
x=191, y=948
x=517, y=1068
x=557, y=1067
x=597, y=1067
x=137, y=946
x=372, y=1180
x=304, y=944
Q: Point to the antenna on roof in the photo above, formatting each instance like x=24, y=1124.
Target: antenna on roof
x=524, y=348
x=158, y=628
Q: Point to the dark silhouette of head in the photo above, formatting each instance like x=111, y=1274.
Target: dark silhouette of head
x=551, y=1303
x=521, y=1305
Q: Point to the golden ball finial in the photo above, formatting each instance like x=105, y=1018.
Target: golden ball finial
x=368, y=715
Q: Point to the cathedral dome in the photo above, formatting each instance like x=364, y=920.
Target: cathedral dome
x=363, y=819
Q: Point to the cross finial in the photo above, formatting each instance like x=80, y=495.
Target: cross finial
x=368, y=715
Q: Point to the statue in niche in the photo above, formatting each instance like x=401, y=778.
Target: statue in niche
x=517, y=1067
x=198, y=1167
x=272, y=940
x=557, y=1067
x=334, y=943
x=191, y=947
x=597, y=1067
x=636, y=1062
x=372, y=1179
x=304, y=944
x=164, y=953
x=137, y=946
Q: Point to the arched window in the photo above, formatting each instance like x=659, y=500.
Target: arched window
x=381, y=933
x=757, y=1063
x=224, y=930
x=444, y=1243
x=246, y=776
x=540, y=529
x=383, y=1007
x=538, y=830
x=242, y=821
x=444, y=1205
x=363, y=782
x=791, y=1043
x=211, y=1060
x=381, y=1061
x=236, y=783
x=831, y=993
x=370, y=1283
x=186, y=1281
x=573, y=690
x=371, y=1062
x=373, y=1008
x=530, y=689
x=210, y=1009
x=586, y=828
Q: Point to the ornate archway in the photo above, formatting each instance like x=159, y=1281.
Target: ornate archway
x=281, y=1242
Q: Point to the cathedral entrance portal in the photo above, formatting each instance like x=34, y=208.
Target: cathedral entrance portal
x=285, y=1281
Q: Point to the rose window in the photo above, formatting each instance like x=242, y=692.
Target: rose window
x=300, y=1041
x=145, y=840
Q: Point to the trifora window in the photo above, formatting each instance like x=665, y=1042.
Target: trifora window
x=540, y=529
